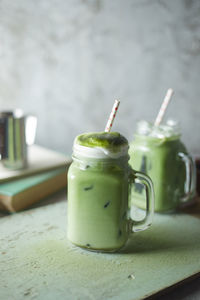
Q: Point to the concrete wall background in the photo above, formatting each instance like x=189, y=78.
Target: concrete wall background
x=67, y=60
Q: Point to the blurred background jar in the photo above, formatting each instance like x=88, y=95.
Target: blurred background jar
x=160, y=153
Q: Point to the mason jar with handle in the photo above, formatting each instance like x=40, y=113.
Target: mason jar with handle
x=99, y=184
x=160, y=153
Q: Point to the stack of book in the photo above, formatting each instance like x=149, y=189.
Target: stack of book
x=45, y=175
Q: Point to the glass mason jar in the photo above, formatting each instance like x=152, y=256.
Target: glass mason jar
x=161, y=155
x=98, y=199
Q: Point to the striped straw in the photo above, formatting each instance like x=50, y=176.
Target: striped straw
x=163, y=107
x=112, y=116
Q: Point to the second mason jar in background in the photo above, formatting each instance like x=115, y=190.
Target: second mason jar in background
x=160, y=153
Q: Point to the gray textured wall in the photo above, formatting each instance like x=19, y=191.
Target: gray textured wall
x=67, y=60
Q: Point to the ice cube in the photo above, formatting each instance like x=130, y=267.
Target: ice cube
x=143, y=127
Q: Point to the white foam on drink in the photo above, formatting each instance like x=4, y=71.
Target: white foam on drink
x=169, y=129
x=99, y=152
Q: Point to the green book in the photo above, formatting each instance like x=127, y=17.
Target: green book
x=19, y=194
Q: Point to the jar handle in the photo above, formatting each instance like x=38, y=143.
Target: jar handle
x=138, y=177
x=190, y=176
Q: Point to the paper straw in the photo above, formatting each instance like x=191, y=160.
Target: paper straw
x=163, y=107
x=112, y=116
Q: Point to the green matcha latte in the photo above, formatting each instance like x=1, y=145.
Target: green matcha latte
x=98, y=192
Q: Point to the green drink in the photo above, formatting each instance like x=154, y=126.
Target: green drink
x=160, y=153
x=98, y=192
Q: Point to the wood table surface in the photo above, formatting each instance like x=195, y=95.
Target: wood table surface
x=37, y=261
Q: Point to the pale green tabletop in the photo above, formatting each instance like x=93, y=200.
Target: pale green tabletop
x=37, y=262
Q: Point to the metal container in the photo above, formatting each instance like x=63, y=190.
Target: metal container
x=17, y=131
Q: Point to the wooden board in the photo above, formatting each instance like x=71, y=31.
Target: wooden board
x=37, y=262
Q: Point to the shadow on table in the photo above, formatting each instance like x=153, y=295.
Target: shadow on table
x=186, y=289
x=54, y=198
x=170, y=232
x=193, y=209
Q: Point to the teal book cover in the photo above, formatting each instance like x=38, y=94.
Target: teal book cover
x=19, y=194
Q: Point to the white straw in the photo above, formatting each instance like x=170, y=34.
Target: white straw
x=163, y=107
x=112, y=116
